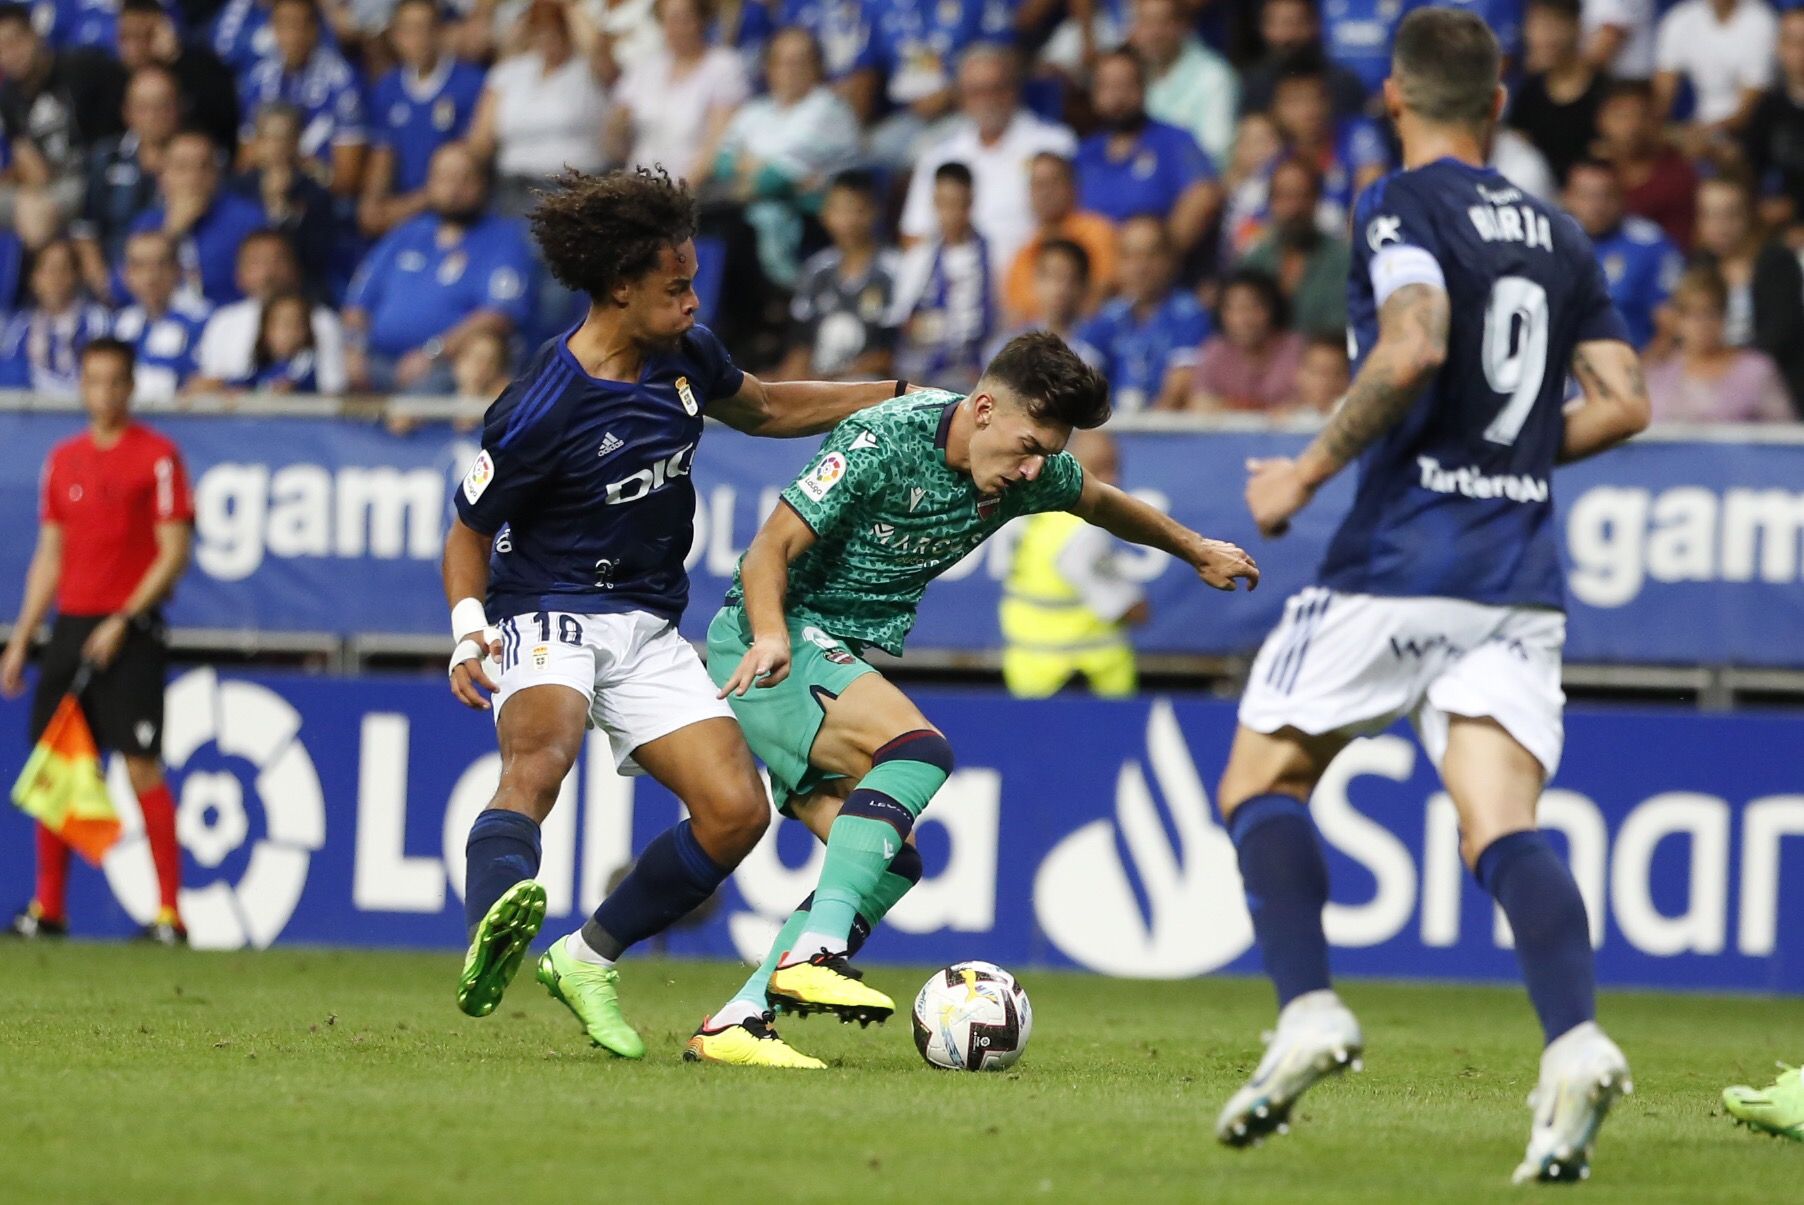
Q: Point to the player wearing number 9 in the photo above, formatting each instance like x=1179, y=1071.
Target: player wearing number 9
x=1441, y=596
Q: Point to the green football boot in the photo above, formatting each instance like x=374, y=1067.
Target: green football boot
x=1777, y=1109
x=499, y=945
x=592, y=992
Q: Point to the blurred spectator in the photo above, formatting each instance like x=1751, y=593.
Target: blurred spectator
x=915, y=45
x=1188, y=84
x=206, y=222
x=1052, y=195
x=1292, y=28
x=1619, y=37
x=433, y=281
x=1258, y=146
x=266, y=268
x=40, y=345
x=1556, y=104
x=427, y=100
x=541, y=111
x=148, y=36
x=1349, y=152
x=1358, y=35
x=780, y=150
x=1251, y=361
x=1724, y=50
x=1137, y=166
x=1504, y=17
x=1515, y=159
x=1309, y=266
x=1069, y=601
x=1658, y=182
x=996, y=140
x=315, y=79
x=162, y=327
x=122, y=174
x=285, y=360
x=481, y=369
x=241, y=36
x=842, y=29
x=1148, y=336
x=292, y=201
x=1638, y=260
x=77, y=24
x=1707, y=379
x=842, y=324
x=672, y=108
x=54, y=105
x=1061, y=288
x=1765, y=285
x=1774, y=138
x=945, y=303
x=1323, y=375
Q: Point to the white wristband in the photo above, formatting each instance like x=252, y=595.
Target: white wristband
x=466, y=617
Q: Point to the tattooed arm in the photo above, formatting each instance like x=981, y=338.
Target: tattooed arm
x=1412, y=346
x=1615, y=405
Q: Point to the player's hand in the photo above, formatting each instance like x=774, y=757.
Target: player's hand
x=1275, y=492
x=12, y=670
x=1220, y=564
x=103, y=642
x=467, y=675
x=766, y=663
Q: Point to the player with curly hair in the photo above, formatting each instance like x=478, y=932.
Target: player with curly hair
x=572, y=526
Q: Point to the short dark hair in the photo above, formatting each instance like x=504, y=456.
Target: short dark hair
x=310, y=5
x=955, y=172
x=106, y=345
x=597, y=231
x=1072, y=251
x=1565, y=8
x=16, y=14
x=1051, y=381
x=1064, y=162
x=1447, y=62
x=1587, y=163
x=1638, y=89
x=144, y=8
x=1126, y=54
x=859, y=180
x=1265, y=287
x=267, y=234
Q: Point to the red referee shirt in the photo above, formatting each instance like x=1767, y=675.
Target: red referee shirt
x=108, y=501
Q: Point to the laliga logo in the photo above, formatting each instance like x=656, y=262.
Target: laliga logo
x=1198, y=920
x=243, y=725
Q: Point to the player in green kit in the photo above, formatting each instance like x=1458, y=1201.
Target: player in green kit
x=897, y=495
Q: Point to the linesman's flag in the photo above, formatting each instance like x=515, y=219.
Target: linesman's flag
x=63, y=788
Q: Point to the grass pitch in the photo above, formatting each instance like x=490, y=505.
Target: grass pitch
x=141, y=1074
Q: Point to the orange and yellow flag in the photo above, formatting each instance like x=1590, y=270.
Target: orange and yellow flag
x=63, y=787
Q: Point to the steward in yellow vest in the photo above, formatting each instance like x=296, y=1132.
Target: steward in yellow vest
x=1066, y=607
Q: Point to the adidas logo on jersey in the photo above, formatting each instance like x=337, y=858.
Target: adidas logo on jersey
x=610, y=444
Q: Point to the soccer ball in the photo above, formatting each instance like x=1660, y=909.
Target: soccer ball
x=972, y=1016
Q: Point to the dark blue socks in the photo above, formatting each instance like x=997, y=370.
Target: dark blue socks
x=672, y=877
x=503, y=849
x=1286, y=880
x=1547, y=915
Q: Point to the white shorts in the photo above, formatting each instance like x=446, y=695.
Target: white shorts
x=642, y=679
x=1351, y=664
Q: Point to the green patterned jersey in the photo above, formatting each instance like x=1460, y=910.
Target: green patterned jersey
x=889, y=516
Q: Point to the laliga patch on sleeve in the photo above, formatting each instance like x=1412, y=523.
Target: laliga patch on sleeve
x=825, y=476
x=482, y=471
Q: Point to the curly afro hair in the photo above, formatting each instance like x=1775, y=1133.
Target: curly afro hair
x=599, y=231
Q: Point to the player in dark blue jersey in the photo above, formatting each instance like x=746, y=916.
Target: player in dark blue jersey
x=1441, y=596
x=573, y=522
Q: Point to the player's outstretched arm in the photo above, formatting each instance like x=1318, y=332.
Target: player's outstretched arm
x=466, y=572
x=785, y=409
x=1412, y=346
x=1219, y=563
x=1615, y=405
x=764, y=578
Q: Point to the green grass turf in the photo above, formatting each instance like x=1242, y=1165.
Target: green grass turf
x=139, y=1074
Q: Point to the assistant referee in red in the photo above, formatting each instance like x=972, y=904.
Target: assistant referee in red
x=115, y=524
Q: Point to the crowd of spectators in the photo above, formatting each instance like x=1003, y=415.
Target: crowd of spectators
x=296, y=196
